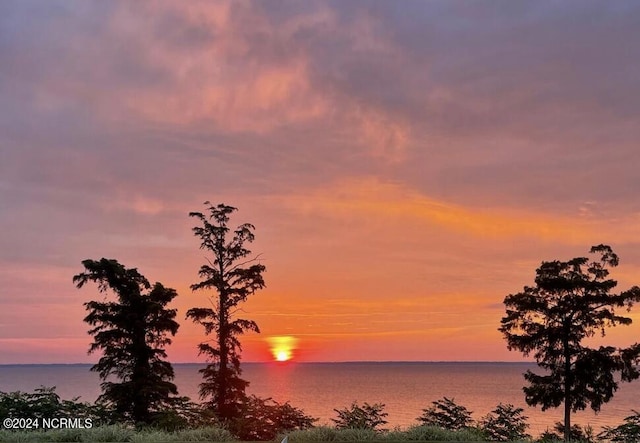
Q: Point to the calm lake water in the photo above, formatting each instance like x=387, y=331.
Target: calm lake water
x=318, y=388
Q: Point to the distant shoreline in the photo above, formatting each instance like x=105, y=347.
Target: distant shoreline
x=366, y=362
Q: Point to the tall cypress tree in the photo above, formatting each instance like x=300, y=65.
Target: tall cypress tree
x=571, y=301
x=131, y=333
x=231, y=275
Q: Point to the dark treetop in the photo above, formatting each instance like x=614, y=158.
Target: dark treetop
x=232, y=276
x=571, y=301
x=131, y=333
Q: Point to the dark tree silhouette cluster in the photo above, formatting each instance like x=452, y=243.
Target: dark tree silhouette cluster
x=132, y=331
x=570, y=302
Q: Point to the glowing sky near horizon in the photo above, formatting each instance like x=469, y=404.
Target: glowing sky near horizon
x=406, y=164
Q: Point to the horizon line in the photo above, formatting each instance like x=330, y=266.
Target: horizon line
x=291, y=362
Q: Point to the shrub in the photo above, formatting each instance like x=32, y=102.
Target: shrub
x=578, y=434
x=446, y=414
x=361, y=417
x=628, y=432
x=505, y=423
x=183, y=414
x=264, y=419
x=44, y=402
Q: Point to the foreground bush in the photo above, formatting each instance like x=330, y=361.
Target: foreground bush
x=260, y=419
x=44, y=402
x=505, y=423
x=577, y=434
x=264, y=419
x=361, y=417
x=628, y=432
x=184, y=414
x=446, y=414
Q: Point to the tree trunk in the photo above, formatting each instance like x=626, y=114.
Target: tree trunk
x=223, y=378
x=567, y=416
x=567, y=385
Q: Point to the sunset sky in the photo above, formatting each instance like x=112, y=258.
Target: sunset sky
x=406, y=164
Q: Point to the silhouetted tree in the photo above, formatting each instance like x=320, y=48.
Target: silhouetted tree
x=576, y=433
x=263, y=419
x=627, y=432
x=131, y=333
x=44, y=402
x=232, y=276
x=571, y=301
x=447, y=414
x=361, y=417
x=505, y=423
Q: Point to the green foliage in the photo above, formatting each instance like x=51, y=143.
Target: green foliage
x=577, y=434
x=628, y=432
x=505, y=423
x=182, y=413
x=264, y=419
x=44, y=402
x=570, y=302
x=233, y=277
x=361, y=417
x=131, y=334
x=446, y=414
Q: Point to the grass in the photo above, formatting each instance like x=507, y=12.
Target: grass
x=124, y=434
x=116, y=434
x=415, y=433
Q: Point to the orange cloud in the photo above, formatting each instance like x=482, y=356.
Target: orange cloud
x=369, y=196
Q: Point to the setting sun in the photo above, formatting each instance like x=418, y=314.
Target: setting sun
x=283, y=355
x=282, y=347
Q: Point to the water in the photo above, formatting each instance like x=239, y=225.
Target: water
x=318, y=388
